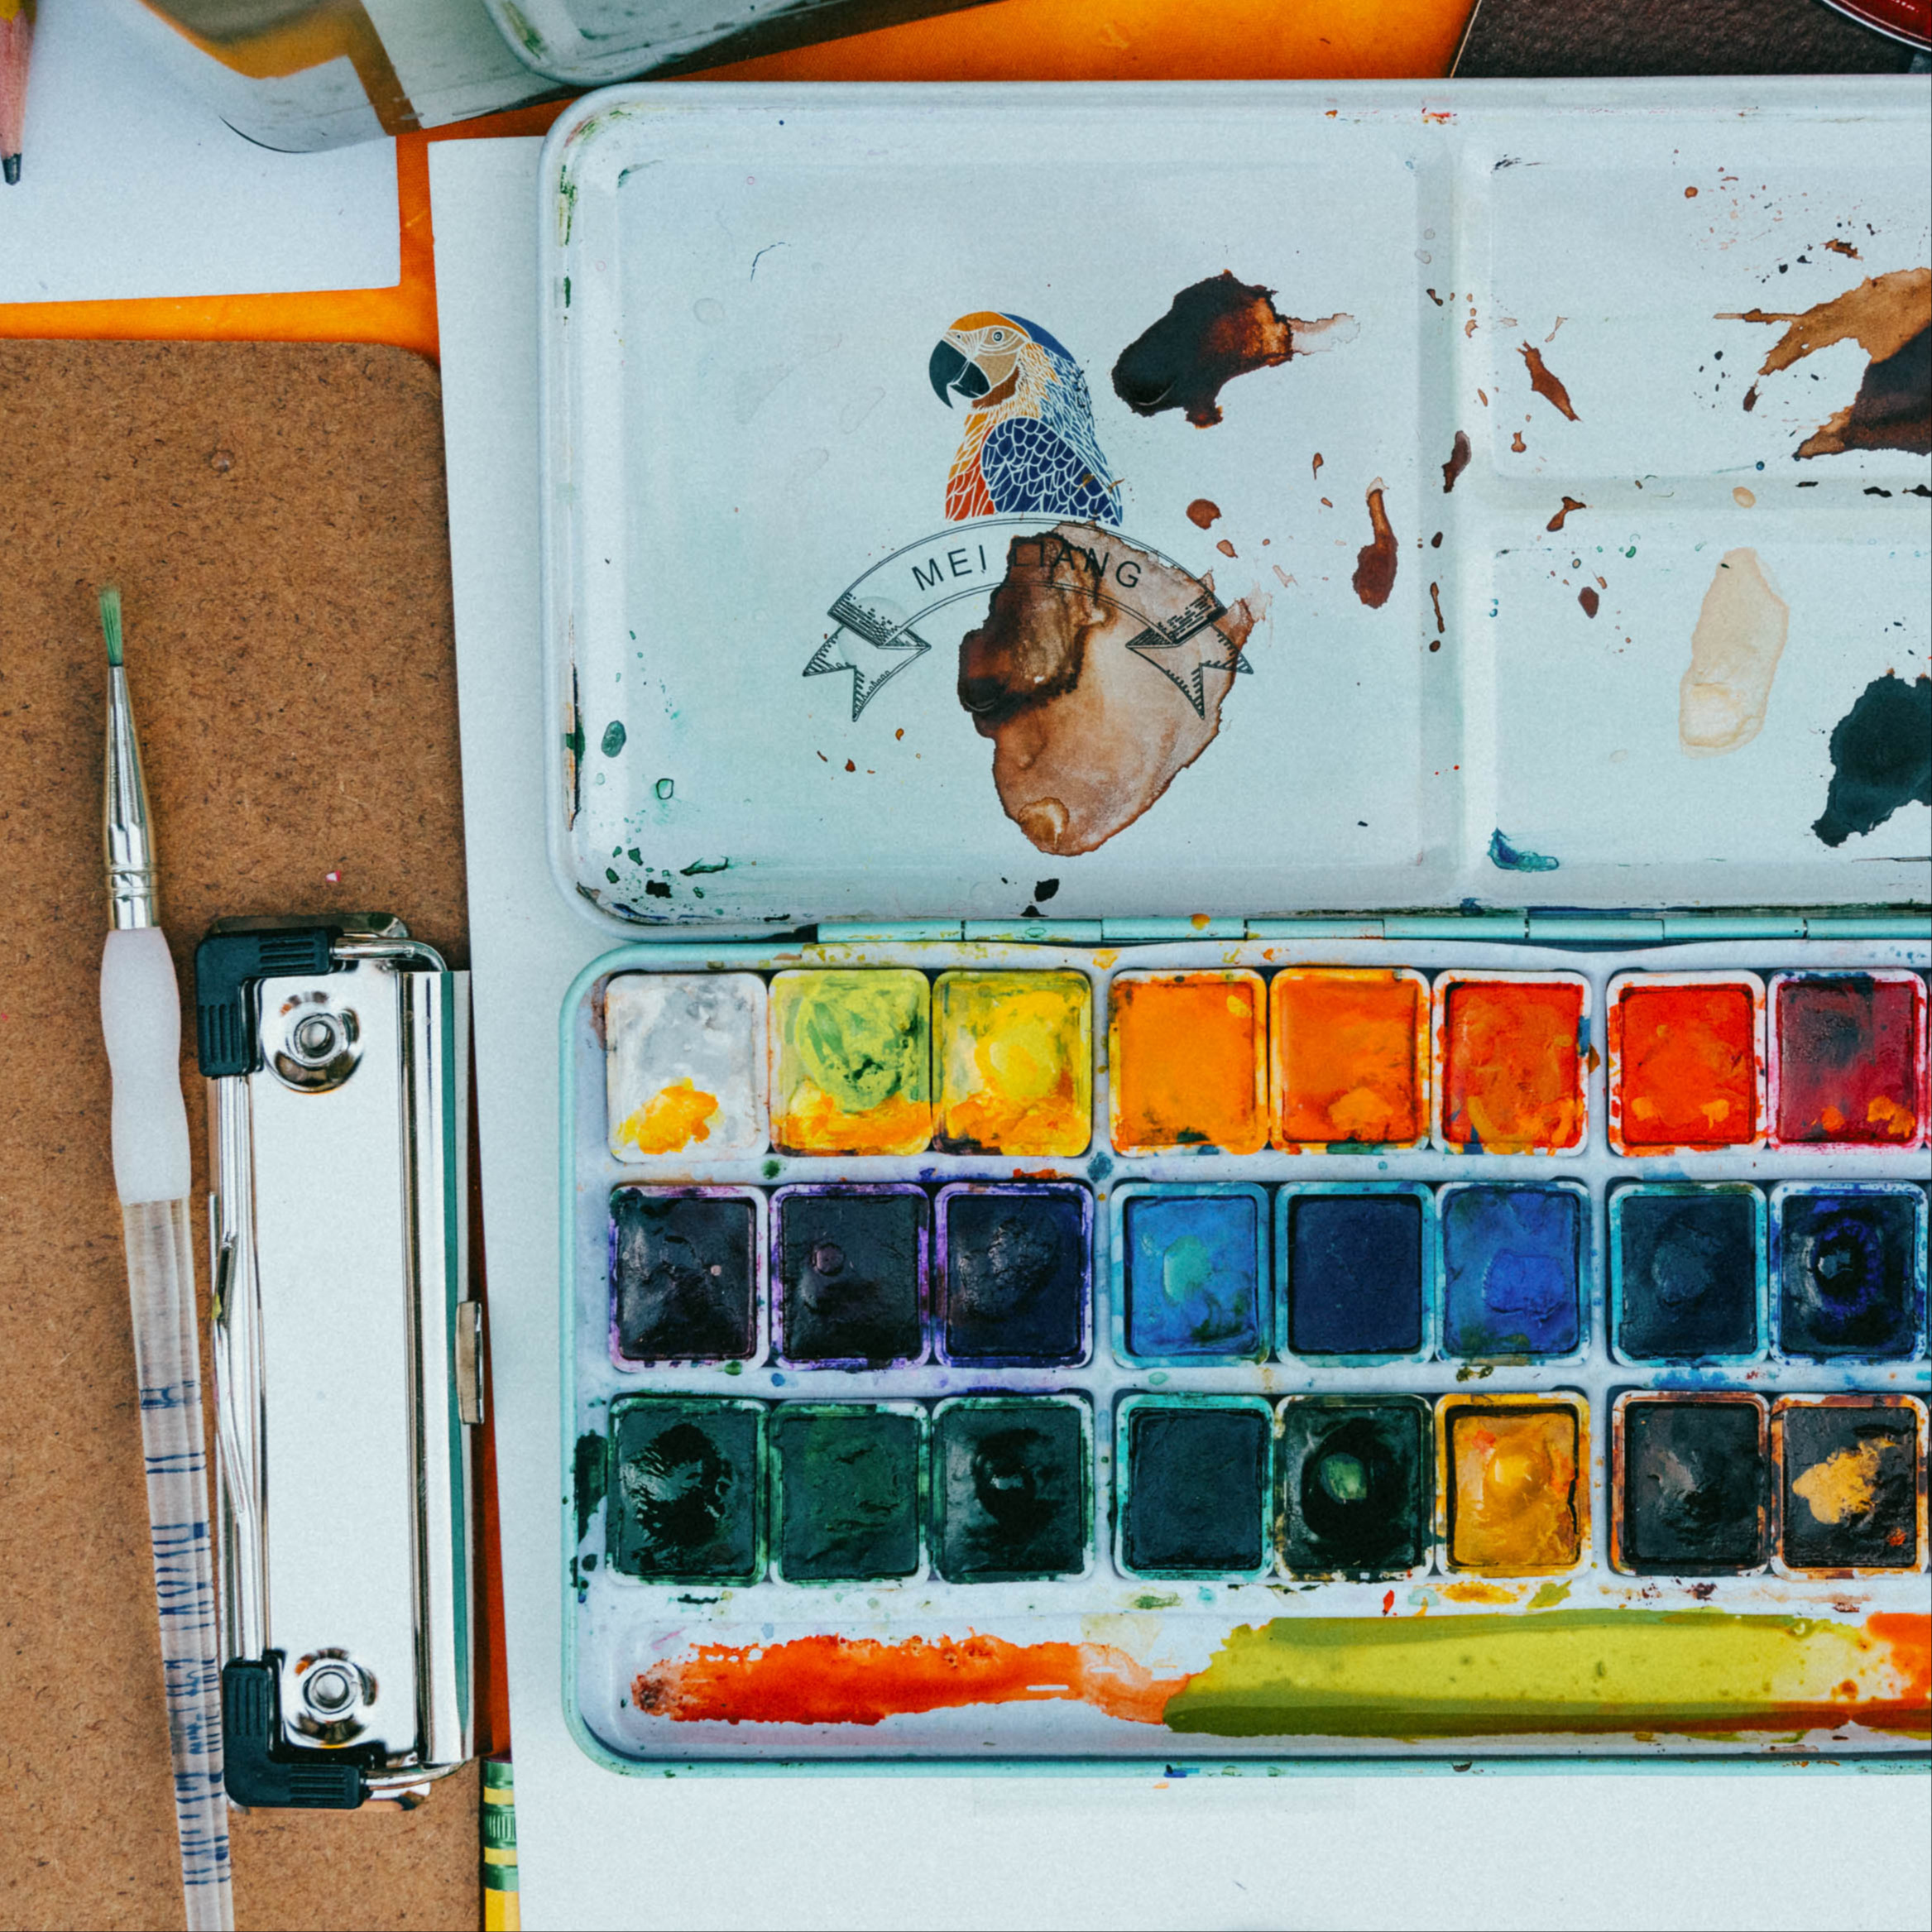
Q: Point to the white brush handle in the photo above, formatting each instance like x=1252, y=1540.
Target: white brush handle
x=141, y=1018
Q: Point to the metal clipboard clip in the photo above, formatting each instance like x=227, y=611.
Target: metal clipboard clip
x=348, y=1356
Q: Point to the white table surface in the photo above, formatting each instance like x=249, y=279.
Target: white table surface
x=1668, y=1849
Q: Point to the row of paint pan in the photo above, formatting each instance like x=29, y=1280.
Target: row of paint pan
x=991, y=1274
x=980, y=1489
x=885, y=1061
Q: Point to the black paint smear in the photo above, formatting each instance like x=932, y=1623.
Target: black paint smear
x=1881, y=757
x=682, y=1275
x=1893, y=407
x=1195, y=1479
x=1354, y=1274
x=1883, y=1535
x=850, y=1269
x=1694, y=1483
x=1045, y=890
x=589, y=1483
x=1686, y=1270
x=1010, y=1491
x=848, y=1493
x=687, y=1486
x=1356, y=1489
x=1847, y=1274
x=1016, y=1272
x=1215, y=330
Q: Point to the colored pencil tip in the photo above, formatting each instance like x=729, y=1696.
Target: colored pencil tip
x=11, y=168
x=111, y=622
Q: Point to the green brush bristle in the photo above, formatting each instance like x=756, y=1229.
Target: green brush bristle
x=111, y=622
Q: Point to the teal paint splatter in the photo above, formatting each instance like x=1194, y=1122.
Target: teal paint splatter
x=664, y=788
x=1507, y=858
x=614, y=736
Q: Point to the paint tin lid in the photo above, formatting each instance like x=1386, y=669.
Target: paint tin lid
x=1236, y=501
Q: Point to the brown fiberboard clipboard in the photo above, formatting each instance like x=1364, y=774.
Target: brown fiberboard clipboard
x=275, y=516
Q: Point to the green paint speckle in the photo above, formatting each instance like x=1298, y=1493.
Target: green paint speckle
x=772, y=1169
x=698, y=867
x=636, y=856
x=664, y=788
x=589, y=1485
x=614, y=736
x=1549, y=1596
x=609, y=875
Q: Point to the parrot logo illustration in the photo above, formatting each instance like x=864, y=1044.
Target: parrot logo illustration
x=1030, y=446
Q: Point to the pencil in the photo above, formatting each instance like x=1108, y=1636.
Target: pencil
x=16, y=37
x=501, y=1906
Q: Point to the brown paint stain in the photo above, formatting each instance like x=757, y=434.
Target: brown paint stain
x=1200, y=512
x=1459, y=461
x=1546, y=385
x=860, y=1681
x=1214, y=331
x=1376, y=561
x=1889, y=317
x=1743, y=498
x=1569, y=503
x=1225, y=548
x=1099, y=674
x=1740, y=635
x=1840, y=247
x=1315, y=471
x=1435, y=598
x=1588, y=599
x=1690, y=194
x=1751, y=399
x=1516, y=443
x=1435, y=541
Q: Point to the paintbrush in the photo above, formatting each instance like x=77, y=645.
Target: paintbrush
x=17, y=36
x=141, y=1020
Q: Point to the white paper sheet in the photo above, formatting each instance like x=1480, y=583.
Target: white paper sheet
x=1664, y=1848
x=130, y=187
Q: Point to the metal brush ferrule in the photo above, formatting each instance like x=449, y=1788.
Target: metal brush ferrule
x=127, y=827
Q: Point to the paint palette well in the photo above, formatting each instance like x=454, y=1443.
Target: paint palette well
x=899, y=1451
x=1494, y=574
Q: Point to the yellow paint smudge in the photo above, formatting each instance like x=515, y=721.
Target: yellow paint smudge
x=1842, y=1484
x=1576, y=1671
x=851, y=1062
x=672, y=1119
x=1015, y=1061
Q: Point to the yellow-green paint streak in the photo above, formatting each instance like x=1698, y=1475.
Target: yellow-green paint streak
x=1581, y=1671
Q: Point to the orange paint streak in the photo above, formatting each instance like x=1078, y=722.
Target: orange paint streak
x=1689, y=1067
x=1909, y=1638
x=860, y=1681
x=1512, y=1079
x=1347, y=1052
x=817, y=1124
x=1186, y=1055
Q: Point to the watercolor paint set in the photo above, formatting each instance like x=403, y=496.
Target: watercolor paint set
x=1367, y=1196
x=1051, y=1350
